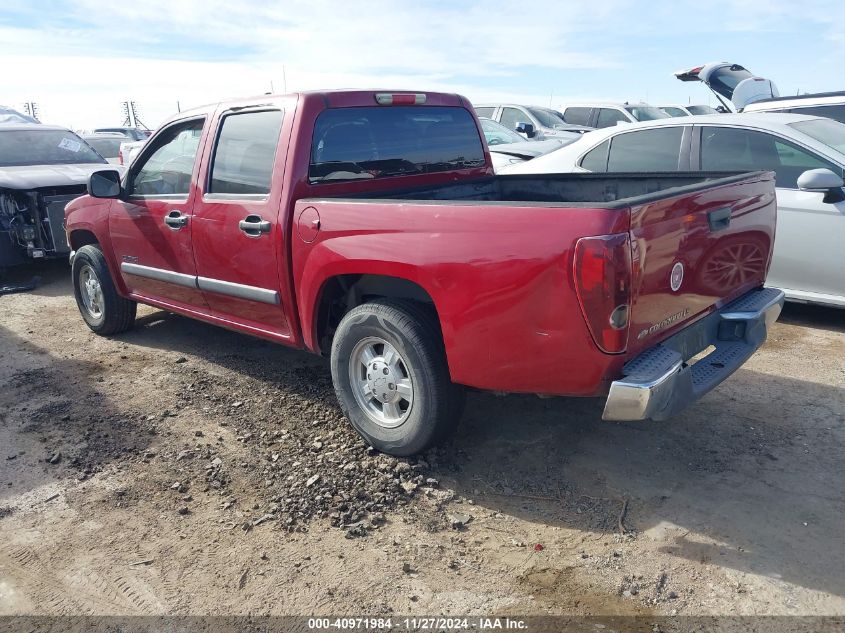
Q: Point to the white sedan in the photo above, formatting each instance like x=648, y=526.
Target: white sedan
x=806, y=153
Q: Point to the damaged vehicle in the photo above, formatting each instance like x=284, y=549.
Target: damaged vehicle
x=42, y=168
x=749, y=93
x=732, y=82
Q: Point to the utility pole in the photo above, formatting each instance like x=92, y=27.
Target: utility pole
x=130, y=115
x=31, y=108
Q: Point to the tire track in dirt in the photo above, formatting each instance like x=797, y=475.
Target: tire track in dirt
x=84, y=591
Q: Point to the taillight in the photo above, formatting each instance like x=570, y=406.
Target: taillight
x=388, y=98
x=603, y=283
x=120, y=157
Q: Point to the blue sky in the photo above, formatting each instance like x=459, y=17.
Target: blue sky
x=79, y=59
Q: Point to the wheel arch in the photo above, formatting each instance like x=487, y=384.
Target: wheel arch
x=82, y=237
x=341, y=293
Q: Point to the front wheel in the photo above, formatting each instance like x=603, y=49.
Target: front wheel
x=101, y=307
x=391, y=378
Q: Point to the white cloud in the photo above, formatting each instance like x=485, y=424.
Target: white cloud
x=147, y=51
x=85, y=57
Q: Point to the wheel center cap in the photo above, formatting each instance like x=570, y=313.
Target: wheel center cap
x=380, y=380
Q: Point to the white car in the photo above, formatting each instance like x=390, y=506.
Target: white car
x=602, y=115
x=687, y=110
x=806, y=153
x=128, y=151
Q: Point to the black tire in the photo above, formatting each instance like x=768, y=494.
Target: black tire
x=116, y=314
x=412, y=329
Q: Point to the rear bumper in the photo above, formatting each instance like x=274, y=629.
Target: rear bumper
x=658, y=383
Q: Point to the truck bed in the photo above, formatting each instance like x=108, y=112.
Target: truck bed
x=571, y=190
x=499, y=257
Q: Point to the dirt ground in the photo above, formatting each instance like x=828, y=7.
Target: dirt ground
x=184, y=469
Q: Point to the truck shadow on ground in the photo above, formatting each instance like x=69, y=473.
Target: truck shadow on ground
x=754, y=471
x=819, y=317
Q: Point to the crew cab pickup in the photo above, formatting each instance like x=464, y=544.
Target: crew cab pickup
x=369, y=227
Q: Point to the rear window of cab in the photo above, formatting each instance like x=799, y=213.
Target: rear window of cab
x=379, y=142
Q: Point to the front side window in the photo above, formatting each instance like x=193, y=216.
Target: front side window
x=646, y=151
x=511, y=117
x=734, y=149
x=167, y=167
x=378, y=142
x=675, y=112
x=245, y=153
x=577, y=116
x=609, y=117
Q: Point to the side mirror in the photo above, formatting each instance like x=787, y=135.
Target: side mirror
x=527, y=129
x=823, y=180
x=104, y=184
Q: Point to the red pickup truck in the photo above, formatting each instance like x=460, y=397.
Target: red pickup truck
x=369, y=227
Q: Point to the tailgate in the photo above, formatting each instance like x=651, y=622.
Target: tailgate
x=697, y=250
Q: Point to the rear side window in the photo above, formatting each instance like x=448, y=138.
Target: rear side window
x=596, y=158
x=245, y=153
x=378, y=142
x=487, y=113
x=835, y=112
x=609, y=117
x=577, y=116
x=646, y=151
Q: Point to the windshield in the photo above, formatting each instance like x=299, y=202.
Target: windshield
x=826, y=131
x=548, y=118
x=44, y=147
x=646, y=113
x=378, y=142
x=702, y=109
x=498, y=134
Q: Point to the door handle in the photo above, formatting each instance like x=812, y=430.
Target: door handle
x=175, y=219
x=254, y=226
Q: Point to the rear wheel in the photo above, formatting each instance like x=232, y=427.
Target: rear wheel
x=391, y=378
x=101, y=307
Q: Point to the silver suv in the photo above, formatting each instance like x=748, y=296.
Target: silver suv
x=531, y=121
